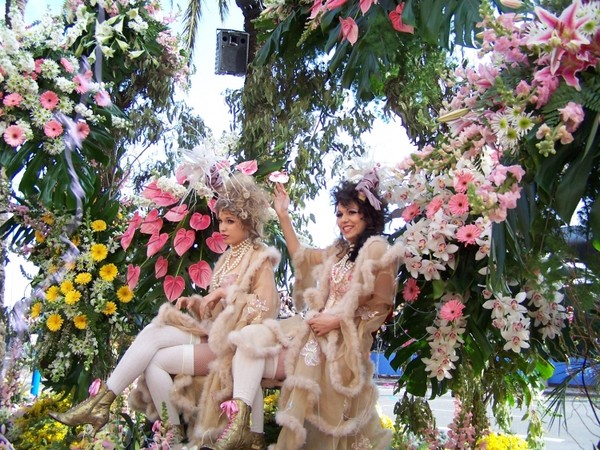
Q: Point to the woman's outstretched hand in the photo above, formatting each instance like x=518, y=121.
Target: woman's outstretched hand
x=281, y=200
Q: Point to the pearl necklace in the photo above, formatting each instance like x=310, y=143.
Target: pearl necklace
x=232, y=259
x=341, y=268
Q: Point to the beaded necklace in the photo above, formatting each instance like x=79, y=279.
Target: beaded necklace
x=342, y=267
x=232, y=259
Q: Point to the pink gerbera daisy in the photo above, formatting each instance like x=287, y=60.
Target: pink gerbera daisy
x=49, y=100
x=462, y=180
x=468, y=234
x=102, y=98
x=83, y=130
x=452, y=310
x=53, y=128
x=410, y=212
x=13, y=99
x=14, y=135
x=67, y=65
x=459, y=204
x=411, y=290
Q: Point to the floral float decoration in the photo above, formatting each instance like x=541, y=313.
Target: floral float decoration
x=482, y=308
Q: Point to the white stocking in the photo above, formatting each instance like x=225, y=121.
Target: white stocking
x=172, y=360
x=137, y=357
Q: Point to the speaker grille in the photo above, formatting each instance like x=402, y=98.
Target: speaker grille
x=232, y=52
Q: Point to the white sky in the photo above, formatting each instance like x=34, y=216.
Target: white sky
x=388, y=140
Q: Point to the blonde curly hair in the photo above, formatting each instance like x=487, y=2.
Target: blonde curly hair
x=242, y=197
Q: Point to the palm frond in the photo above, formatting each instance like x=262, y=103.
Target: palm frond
x=223, y=8
x=191, y=22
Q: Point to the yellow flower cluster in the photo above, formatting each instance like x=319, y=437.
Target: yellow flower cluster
x=494, y=441
x=270, y=404
x=386, y=422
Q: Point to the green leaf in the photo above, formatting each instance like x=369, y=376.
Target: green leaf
x=573, y=184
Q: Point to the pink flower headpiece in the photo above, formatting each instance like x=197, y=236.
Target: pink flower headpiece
x=366, y=186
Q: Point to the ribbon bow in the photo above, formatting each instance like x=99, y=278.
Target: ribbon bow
x=230, y=408
x=366, y=186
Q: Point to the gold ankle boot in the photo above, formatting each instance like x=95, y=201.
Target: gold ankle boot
x=258, y=441
x=237, y=434
x=94, y=410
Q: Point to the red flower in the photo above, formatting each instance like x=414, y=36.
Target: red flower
x=349, y=30
x=160, y=267
x=199, y=221
x=53, y=128
x=183, y=241
x=216, y=243
x=200, y=274
x=173, y=287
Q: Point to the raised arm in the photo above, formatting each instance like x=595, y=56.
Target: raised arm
x=281, y=202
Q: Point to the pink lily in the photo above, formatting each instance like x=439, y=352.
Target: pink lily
x=200, y=274
x=173, y=287
x=349, y=30
x=184, y=240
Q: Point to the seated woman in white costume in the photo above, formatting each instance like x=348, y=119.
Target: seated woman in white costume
x=328, y=399
x=242, y=292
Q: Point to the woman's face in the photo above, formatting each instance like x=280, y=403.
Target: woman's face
x=350, y=222
x=231, y=228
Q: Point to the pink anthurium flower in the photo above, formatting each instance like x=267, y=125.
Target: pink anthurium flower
x=200, y=274
x=332, y=4
x=396, y=18
x=136, y=220
x=349, y=30
x=152, y=223
x=160, y=267
x=216, y=243
x=154, y=193
x=133, y=276
x=365, y=5
x=127, y=237
x=199, y=221
x=279, y=177
x=155, y=243
x=211, y=204
x=183, y=241
x=247, y=167
x=173, y=287
x=177, y=213
x=181, y=175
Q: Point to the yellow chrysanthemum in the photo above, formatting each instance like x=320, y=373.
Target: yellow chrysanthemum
x=83, y=278
x=52, y=293
x=72, y=297
x=98, y=225
x=48, y=219
x=54, y=322
x=108, y=272
x=76, y=240
x=386, y=422
x=98, y=252
x=124, y=294
x=110, y=308
x=66, y=287
x=80, y=322
x=39, y=237
x=36, y=309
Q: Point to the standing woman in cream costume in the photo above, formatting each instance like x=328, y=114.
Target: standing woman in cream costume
x=242, y=292
x=328, y=399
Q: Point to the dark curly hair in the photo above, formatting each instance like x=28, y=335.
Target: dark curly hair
x=345, y=194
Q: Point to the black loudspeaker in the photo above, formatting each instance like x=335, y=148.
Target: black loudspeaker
x=232, y=52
